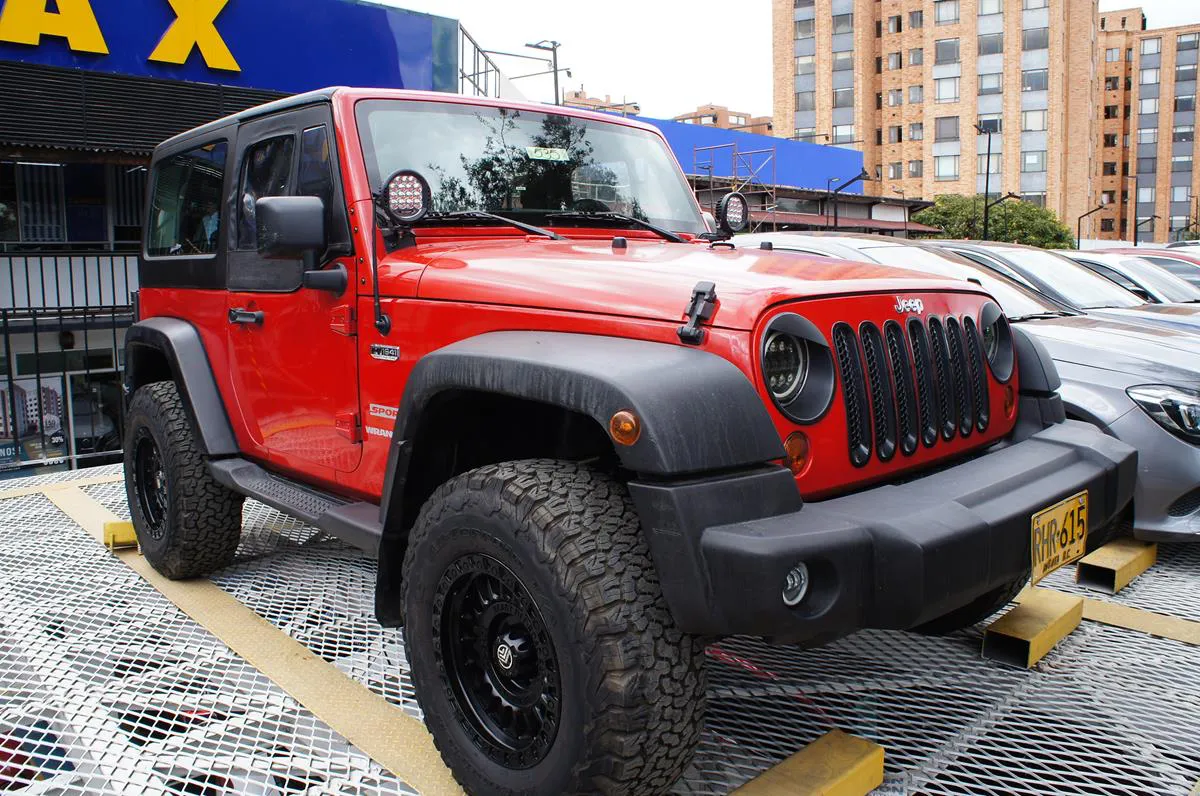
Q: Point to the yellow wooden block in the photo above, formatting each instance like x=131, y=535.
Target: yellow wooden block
x=118, y=533
x=1112, y=567
x=836, y=764
x=1025, y=634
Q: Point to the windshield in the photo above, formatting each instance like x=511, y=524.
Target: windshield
x=1015, y=300
x=1186, y=271
x=526, y=164
x=1166, y=285
x=1073, y=281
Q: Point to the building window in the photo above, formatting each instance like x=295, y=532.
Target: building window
x=991, y=43
x=916, y=131
x=806, y=100
x=1035, y=80
x=945, y=51
x=895, y=25
x=1147, y=165
x=1185, y=73
x=945, y=128
x=1111, y=112
x=1110, y=139
x=1147, y=135
x=1035, y=38
x=843, y=133
x=843, y=23
x=916, y=94
x=991, y=83
x=916, y=168
x=1031, y=4
x=879, y=65
x=1112, y=54
x=1151, y=46
x=1181, y=163
x=895, y=97
x=1033, y=121
x=1112, y=83
x=945, y=167
x=1185, y=104
x=1148, y=105
x=843, y=61
x=945, y=12
x=1110, y=168
x=879, y=100
x=1148, y=77
x=1183, y=133
x=945, y=89
x=806, y=64
x=1187, y=41
x=1036, y=199
x=1181, y=193
x=1108, y=197
x=186, y=202
x=991, y=7
x=991, y=123
x=895, y=61
x=805, y=134
x=1033, y=161
x=896, y=170
x=896, y=134
x=1146, y=194
x=805, y=28
x=1107, y=225
x=916, y=19
x=983, y=165
x=916, y=56
x=879, y=136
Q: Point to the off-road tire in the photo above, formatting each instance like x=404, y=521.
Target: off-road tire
x=975, y=611
x=201, y=522
x=632, y=685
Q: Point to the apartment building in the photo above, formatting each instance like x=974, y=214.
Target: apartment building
x=581, y=99
x=1147, y=143
x=922, y=86
x=722, y=117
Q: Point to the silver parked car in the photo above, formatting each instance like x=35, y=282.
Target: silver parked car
x=1138, y=381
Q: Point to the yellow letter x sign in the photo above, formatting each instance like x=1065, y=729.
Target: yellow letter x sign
x=195, y=26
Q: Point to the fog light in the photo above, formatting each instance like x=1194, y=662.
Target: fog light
x=795, y=585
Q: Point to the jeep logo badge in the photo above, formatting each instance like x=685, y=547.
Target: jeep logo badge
x=504, y=656
x=904, y=305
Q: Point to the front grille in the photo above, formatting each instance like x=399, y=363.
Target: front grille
x=902, y=393
x=858, y=419
x=1185, y=505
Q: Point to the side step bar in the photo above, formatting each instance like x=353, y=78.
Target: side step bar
x=356, y=523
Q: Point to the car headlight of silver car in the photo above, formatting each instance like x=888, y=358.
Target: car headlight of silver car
x=1176, y=409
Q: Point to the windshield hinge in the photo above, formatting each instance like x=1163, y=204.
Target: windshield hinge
x=341, y=320
x=700, y=309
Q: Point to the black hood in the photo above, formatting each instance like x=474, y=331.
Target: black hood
x=1162, y=354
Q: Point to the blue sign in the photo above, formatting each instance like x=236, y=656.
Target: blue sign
x=282, y=45
x=703, y=149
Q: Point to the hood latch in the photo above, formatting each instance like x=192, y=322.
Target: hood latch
x=700, y=309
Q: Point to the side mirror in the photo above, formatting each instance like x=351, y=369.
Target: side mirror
x=733, y=213
x=290, y=226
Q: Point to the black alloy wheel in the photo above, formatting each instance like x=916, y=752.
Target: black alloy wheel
x=150, y=482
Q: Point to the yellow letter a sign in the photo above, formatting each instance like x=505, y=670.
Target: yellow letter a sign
x=26, y=21
x=195, y=26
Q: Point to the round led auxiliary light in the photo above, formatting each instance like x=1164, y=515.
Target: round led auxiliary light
x=407, y=197
x=733, y=213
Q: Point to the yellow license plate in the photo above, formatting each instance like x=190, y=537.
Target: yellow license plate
x=1059, y=535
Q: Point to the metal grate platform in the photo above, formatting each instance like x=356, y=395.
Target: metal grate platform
x=105, y=687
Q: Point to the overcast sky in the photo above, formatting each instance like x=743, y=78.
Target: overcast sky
x=668, y=55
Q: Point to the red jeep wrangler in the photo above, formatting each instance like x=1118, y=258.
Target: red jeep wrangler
x=498, y=345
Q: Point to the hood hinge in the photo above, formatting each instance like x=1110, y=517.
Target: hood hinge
x=348, y=426
x=341, y=320
x=699, y=309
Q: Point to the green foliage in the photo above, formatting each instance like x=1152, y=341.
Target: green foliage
x=1011, y=222
x=1192, y=233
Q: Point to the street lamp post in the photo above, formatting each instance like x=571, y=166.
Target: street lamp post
x=862, y=176
x=551, y=47
x=987, y=178
x=900, y=191
x=828, y=196
x=1138, y=225
x=1079, y=223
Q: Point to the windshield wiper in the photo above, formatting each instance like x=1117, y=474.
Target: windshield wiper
x=657, y=230
x=480, y=214
x=1039, y=316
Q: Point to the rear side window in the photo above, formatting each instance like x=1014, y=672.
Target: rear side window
x=266, y=171
x=185, y=210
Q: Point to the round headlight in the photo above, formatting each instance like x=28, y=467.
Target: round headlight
x=785, y=364
x=996, y=338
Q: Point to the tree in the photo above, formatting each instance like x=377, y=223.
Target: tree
x=1010, y=222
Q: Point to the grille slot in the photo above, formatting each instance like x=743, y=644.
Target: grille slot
x=883, y=402
x=902, y=380
x=854, y=393
x=927, y=403
x=942, y=380
x=958, y=368
x=979, y=391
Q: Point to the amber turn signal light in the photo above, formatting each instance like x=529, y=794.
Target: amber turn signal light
x=624, y=427
x=1010, y=401
x=797, y=449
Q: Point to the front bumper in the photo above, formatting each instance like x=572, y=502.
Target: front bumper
x=1166, y=501
x=894, y=556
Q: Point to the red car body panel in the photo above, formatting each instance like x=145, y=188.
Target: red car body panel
x=306, y=397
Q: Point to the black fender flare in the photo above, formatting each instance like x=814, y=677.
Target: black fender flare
x=698, y=412
x=179, y=343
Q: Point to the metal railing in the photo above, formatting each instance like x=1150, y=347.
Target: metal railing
x=63, y=317
x=478, y=74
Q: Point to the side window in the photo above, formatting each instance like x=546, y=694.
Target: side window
x=315, y=178
x=185, y=209
x=266, y=171
x=1111, y=275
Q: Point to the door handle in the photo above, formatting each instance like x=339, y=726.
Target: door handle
x=240, y=315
